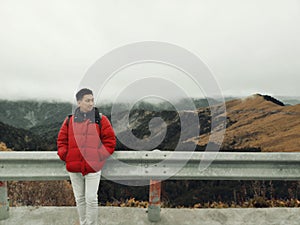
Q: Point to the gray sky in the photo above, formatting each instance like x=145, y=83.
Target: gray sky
x=46, y=47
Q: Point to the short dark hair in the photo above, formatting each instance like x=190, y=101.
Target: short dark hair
x=82, y=92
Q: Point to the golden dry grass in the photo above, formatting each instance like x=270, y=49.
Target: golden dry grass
x=3, y=147
x=261, y=124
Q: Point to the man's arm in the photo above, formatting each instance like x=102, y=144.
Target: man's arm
x=62, y=140
x=108, y=139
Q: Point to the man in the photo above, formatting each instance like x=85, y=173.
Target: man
x=85, y=140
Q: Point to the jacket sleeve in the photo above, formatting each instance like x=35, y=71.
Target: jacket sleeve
x=62, y=141
x=108, y=139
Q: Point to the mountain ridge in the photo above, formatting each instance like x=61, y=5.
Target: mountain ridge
x=255, y=123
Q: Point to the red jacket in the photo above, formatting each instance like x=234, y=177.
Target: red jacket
x=79, y=145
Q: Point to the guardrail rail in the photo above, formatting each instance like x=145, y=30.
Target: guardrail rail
x=154, y=167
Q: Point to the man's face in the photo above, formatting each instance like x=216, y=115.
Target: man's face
x=86, y=104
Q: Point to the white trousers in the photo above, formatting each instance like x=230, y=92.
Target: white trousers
x=85, y=190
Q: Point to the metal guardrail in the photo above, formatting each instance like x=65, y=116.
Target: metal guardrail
x=158, y=165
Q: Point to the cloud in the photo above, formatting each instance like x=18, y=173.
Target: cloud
x=47, y=47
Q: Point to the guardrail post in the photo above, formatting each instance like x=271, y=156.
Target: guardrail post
x=4, y=206
x=154, y=201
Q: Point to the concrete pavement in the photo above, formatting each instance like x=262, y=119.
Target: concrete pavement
x=138, y=216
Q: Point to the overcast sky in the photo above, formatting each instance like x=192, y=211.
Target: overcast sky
x=46, y=47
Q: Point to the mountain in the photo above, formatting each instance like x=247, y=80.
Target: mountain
x=29, y=114
x=37, y=122
x=289, y=100
x=256, y=123
x=20, y=139
x=43, y=120
x=139, y=122
x=263, y=122
x=47, y=134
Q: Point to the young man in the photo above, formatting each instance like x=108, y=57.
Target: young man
x=85, y=140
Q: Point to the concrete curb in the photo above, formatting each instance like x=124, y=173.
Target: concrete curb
x=138, y=216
